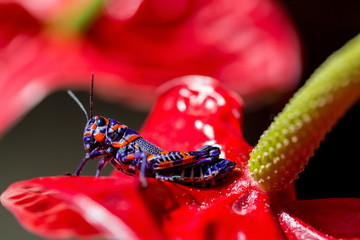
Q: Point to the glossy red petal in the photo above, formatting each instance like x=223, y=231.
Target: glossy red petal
x=190, y=112
x=295, y=229
x=64, y=207
x=337, y=218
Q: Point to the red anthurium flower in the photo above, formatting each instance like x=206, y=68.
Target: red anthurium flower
x=192, y=111
x=134, y=46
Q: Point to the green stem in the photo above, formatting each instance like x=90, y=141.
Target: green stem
x=75, y=17
x=284, y=149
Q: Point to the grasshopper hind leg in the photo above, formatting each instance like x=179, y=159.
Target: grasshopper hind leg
x=202, y=175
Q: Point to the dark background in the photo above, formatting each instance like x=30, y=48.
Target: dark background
x=29, y=151
x=324, y=26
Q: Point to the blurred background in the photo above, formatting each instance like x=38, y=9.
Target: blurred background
x=48, y=140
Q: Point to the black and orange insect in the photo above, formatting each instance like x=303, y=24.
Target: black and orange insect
x=114, y=142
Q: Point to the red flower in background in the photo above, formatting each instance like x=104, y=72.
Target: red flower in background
x=191, y=112
x=134, y=46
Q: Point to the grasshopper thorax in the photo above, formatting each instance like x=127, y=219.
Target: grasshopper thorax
x=101, y=133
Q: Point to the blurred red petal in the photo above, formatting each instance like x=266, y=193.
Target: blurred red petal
x=15, y=21
x=225, y=39
x=45, y=65
x=142, y=46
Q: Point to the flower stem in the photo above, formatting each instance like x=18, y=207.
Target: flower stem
x=284, y=149
x=75, y=16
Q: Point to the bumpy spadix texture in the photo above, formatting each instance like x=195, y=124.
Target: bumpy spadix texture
x=284, y=149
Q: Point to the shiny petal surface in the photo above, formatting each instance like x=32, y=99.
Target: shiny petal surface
x=337, y=217
x=65, y=207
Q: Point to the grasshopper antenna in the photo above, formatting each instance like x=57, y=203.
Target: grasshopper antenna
x=72, y=95
x=91, y=95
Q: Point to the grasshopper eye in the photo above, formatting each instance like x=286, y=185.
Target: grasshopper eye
x=100, y=121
